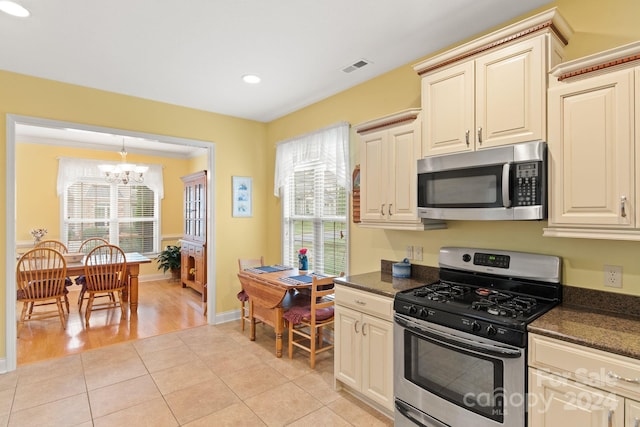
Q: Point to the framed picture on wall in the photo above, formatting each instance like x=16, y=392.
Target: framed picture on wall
x=242, y=196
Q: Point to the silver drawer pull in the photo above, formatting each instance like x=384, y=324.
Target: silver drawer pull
x=355, y=326
x=360, y=302
x=480, y=135
x=363, y=325
x=623, y=211
x=636, y=422
x=610, y=418
x=466, y=137
x=382, y=209
x=618, y=377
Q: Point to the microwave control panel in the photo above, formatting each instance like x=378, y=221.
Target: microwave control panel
x=527, y=184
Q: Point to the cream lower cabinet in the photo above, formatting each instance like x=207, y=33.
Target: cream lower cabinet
x=363, y=353
x=572, y=385
x=594, y=142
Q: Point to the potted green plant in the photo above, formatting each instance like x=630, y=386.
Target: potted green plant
x=169, y=259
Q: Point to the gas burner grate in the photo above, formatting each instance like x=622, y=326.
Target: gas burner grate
x=441, y=291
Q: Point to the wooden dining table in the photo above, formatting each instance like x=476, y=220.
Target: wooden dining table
x=134, y=259
x=270, y=295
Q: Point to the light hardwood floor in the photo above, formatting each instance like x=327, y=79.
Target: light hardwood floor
x=164, y=306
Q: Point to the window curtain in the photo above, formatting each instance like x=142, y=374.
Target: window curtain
x=328, y=145
x=71, y=170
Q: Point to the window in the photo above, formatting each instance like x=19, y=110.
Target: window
x=314, y=199
x=125, y=215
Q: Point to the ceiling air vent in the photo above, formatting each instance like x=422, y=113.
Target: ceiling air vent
x=355, y=66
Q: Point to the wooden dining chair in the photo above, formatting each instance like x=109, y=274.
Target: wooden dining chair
x=53, y=244
x=87, y=246
x=62, y=248
x=307, y=322
x=105, y=272
x=243, y=264
x=40, y=281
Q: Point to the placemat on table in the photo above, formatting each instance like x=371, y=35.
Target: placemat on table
x=299, y=280
x=267, y=269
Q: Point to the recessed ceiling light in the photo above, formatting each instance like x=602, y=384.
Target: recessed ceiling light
x=251, y=78
x=13, y=9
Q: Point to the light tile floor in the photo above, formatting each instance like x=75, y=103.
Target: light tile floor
x=205, y=376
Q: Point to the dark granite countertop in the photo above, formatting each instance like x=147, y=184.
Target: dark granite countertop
x=601, y=320
x=378, y=282
x=383, y=283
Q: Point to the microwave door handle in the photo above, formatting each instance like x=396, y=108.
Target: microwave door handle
x=506, y=201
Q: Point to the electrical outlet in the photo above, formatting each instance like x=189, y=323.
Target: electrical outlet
x=417, y=253
x=613, y=276
x=408, y=252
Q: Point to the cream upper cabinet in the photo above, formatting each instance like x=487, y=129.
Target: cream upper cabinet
x=491, y=91
x=591, y=151
x=593, y=143
x=573, y=385
x=496, y=99
x=389, y=150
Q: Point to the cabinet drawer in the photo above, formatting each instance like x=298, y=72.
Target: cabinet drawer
x=364, y=302
x=611, y=372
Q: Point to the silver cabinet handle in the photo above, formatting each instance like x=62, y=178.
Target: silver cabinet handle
x=618, y=377
x=390, y=204
x=466, y=137
x=610, y=418
x=359, y=302
x=623, y=211
x=480, y=135
x=355, y=327
x=363, y=325
x=382, y=209
x=636, y=422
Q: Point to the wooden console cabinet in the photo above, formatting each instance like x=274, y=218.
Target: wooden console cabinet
x=194, y=241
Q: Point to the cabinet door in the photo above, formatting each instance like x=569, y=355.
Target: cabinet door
x=348, y=346
x=591, y=155
x=632, y=413
x=403, y=151
x=510, y=95
x=448, y=108
x=559, y=402
x=377, y=360
x=373, y=175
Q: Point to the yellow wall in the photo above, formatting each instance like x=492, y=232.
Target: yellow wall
x=247, y=148
x=597, y=26
x=240, y=150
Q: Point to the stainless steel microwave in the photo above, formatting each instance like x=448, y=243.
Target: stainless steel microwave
x=500, y=183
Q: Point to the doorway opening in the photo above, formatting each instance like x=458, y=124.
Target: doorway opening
x=155, y=143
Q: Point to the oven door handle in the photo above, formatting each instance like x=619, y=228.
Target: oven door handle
x=418, y=418
x=459, y=342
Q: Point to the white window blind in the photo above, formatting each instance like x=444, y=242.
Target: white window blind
x=314, y=199
x=125, y=215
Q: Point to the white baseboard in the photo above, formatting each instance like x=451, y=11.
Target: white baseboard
x=3, y=366
x=228, y=316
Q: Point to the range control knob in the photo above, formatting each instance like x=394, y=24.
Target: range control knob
x=424, y=312
x=475, y=326
x=491, y=330
x=413, y=309
x=466, y=257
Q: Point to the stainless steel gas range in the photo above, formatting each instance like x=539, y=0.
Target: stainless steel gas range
x=460, y=343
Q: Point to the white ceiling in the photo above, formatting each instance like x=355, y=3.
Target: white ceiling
x=193, y=53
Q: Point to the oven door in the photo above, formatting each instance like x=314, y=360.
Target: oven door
x=455, y=378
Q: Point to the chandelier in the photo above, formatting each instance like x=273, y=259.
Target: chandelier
x=123, y=172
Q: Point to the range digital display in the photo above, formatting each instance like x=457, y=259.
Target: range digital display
x=491, y=260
